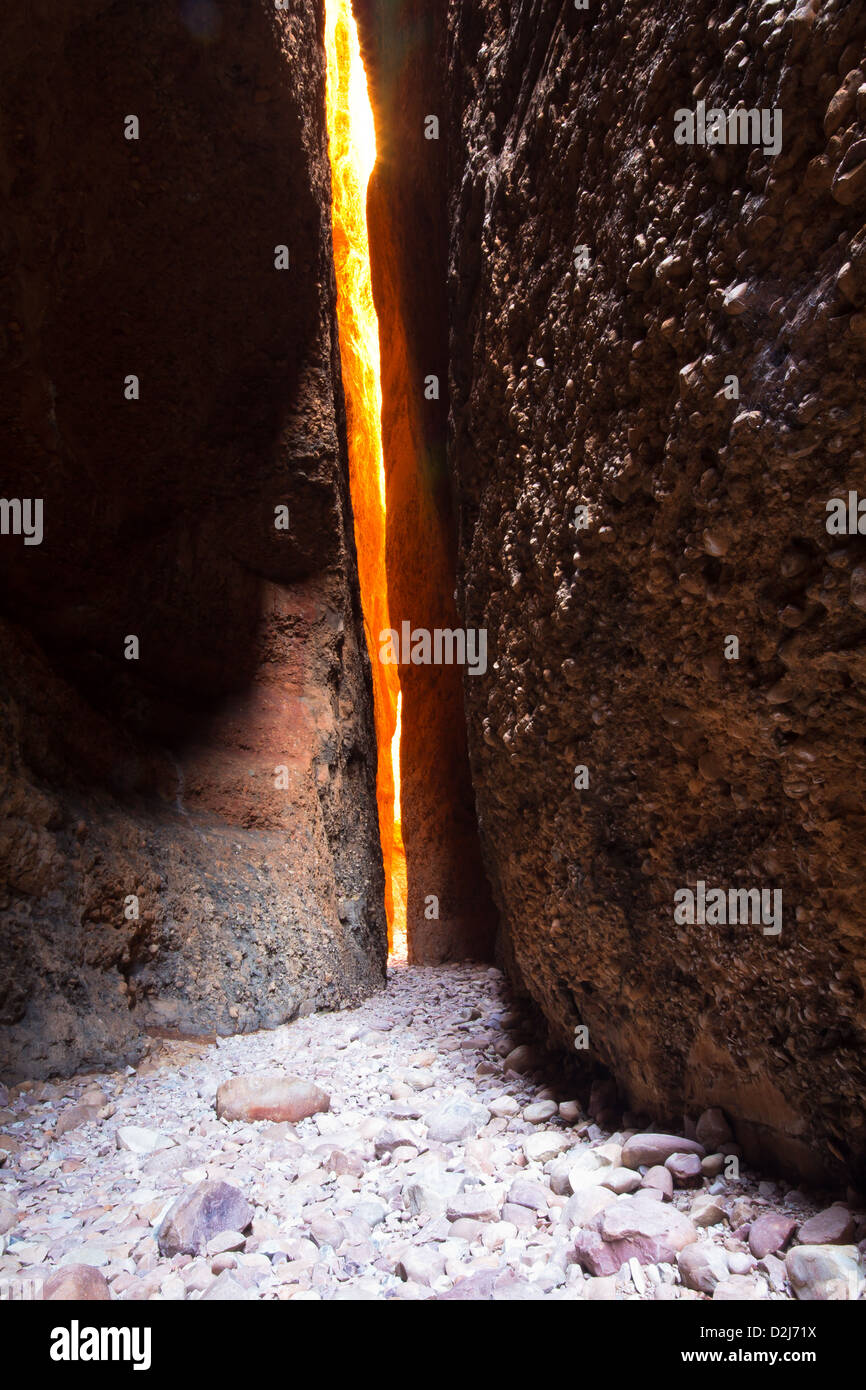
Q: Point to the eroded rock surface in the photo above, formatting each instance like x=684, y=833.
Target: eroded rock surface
x=626, y=509
x=189, y=840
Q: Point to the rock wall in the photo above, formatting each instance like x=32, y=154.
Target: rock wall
x=404, y=50
x=626, y=509
x=222, y=785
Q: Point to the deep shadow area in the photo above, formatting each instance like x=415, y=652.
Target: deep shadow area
x=150, y=802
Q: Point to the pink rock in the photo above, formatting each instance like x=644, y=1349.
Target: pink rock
x=835, y=1226
x=75, y=1284
x=269, y=1096
x=199, y=1214
x=660, y=1179
x=685, y=1169
x=73, y=1117
x=771, y=1232
x=633, y=1228
x=653, y=1149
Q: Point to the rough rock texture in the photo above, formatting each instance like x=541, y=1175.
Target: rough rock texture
x=403, y=48
x=604, y=388
x=157, y=778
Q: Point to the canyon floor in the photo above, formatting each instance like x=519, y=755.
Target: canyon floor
x=437, y=1172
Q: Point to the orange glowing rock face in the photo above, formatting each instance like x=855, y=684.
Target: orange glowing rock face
x=352, y=143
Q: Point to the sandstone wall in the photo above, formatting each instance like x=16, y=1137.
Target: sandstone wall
x=157, y=778
x=605, y=389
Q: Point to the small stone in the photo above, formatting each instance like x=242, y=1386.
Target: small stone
x=737, y=1288
x=141, y=1141
x=526, y=1193
x=702, y=1266
x=637, y=1275
x=326, y=1230
x=464, y=1228
x=225, y=1241
x=824, y=1273
x=521, y=1059
x=422, y=1264
x=393, y=1136
x=620, y=1180
x=545, y=1144
x=835, y=1226
x=478, y=1204
x=685, y=1169
x=583, y=1206
x=522, y=1218
x=771, y=1232
x=95, y=1096
x=741, y=1263
x=455, y=1119
x=661, y=1179
x=220, y=1263
x=540, y=1112
x=653, y=1149
x=504, y=1107
x=706, y=1210
x=570, y=1111
x=73, y=1117
x=76, y=1283
x=269, y=1096
x=600, y=1290
x=224, y=1289
x=8, y=1214
x=712, y=1165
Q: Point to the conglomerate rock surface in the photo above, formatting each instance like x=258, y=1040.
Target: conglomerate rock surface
x=221, y=786
x=626, y=510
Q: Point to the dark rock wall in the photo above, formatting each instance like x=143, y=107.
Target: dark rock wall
x=604, y=388
x=260, y=892
x=403, y=43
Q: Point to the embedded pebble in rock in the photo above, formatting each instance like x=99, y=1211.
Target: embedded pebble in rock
x=366, y=1199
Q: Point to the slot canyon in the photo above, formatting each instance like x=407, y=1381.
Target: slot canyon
x=433, y=651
